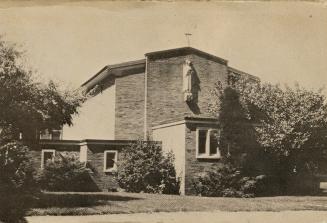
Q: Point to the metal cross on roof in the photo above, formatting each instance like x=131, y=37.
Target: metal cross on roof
x=187, y=35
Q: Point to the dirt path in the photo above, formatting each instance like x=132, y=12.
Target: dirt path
x=192, y=217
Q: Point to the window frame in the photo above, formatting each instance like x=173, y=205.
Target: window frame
x=53, y=151
x=114, y=168
x=206, y=155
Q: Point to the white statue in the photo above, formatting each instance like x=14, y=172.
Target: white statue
x=187, y=80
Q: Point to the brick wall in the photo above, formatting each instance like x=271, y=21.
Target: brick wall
x=193, y=166
x=129, y=108
x=95, y=158
x=36, y=152
x=164, y=80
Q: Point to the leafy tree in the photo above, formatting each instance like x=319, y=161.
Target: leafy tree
x=289, y=126
x=144, y=168
x=17, y=182
x=26, y=107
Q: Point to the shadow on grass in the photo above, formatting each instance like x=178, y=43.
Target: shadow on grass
x=46, y=200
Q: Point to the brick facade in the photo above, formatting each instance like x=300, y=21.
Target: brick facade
x=103, y=181
x=164, y=83
x=195, y=167
x=149, y=93
x=165, y=103
x=70, y=146
x=129, y=108
x=95, y=159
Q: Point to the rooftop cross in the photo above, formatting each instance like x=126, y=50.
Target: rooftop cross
x=187, y=35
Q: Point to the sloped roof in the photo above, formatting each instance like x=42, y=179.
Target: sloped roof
x=184, y=51
x=135, y=65
x=250, y=76
x=138, y=66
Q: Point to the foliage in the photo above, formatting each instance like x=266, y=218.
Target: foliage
x=144, y=168
x=28, y=106
x=287, y=124
x=227, y=181
x=237, y=132
x=66, y=173
x=291, y=119
x=17, y=182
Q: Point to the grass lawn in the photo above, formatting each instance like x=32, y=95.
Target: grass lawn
x=114, y=203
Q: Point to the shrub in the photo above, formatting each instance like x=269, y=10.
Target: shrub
x=227, y=181
x=18, y=185
x=66, y=173
x=144, y=168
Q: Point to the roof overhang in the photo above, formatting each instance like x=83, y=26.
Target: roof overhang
x=242, y=73
x=87, y=142
x=115, y=70
x=188, y=120
x=184, y=51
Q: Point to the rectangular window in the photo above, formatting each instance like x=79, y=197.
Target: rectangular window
x=207, y=143
x=47, y=154
x=202, y=141
x=56, y=134
x=110, y=160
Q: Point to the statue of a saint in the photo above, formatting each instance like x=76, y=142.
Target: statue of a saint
x=187, y=80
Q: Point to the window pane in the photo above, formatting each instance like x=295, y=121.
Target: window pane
x=47, y=156
x=202, y=141
x=55, y=135
x=213, y=142
x=110, y=160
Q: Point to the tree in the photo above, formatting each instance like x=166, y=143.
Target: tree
x=18, y=186
x=290, y=125
x=237, y=136
x=144, y=168
x=26, y=108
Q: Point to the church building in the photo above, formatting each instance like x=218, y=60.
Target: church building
x=163, y=97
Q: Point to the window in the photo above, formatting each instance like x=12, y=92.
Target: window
x=207, y=145
x=47, y=154
x=56, y=134
x=110, y=160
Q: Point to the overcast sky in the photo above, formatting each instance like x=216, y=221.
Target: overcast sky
x=69, y=42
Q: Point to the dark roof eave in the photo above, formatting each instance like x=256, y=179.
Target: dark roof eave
x=94, y=76
x=88, y=142
x=232, y=69
x=186, y=50
x=107, y=68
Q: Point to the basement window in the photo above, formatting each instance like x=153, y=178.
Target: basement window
x=46, y=155
x=110, y=160
x=207, y=145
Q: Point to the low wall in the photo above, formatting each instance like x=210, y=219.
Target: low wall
x=90, y=151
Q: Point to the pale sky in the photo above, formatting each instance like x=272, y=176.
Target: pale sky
x=69, y=42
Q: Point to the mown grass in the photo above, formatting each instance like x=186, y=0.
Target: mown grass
x=115, y=203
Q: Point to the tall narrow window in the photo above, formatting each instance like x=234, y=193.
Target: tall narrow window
x=207, y=143
x=47, y=154
x=110, y=160
x=213, y=147
x=202, y=141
